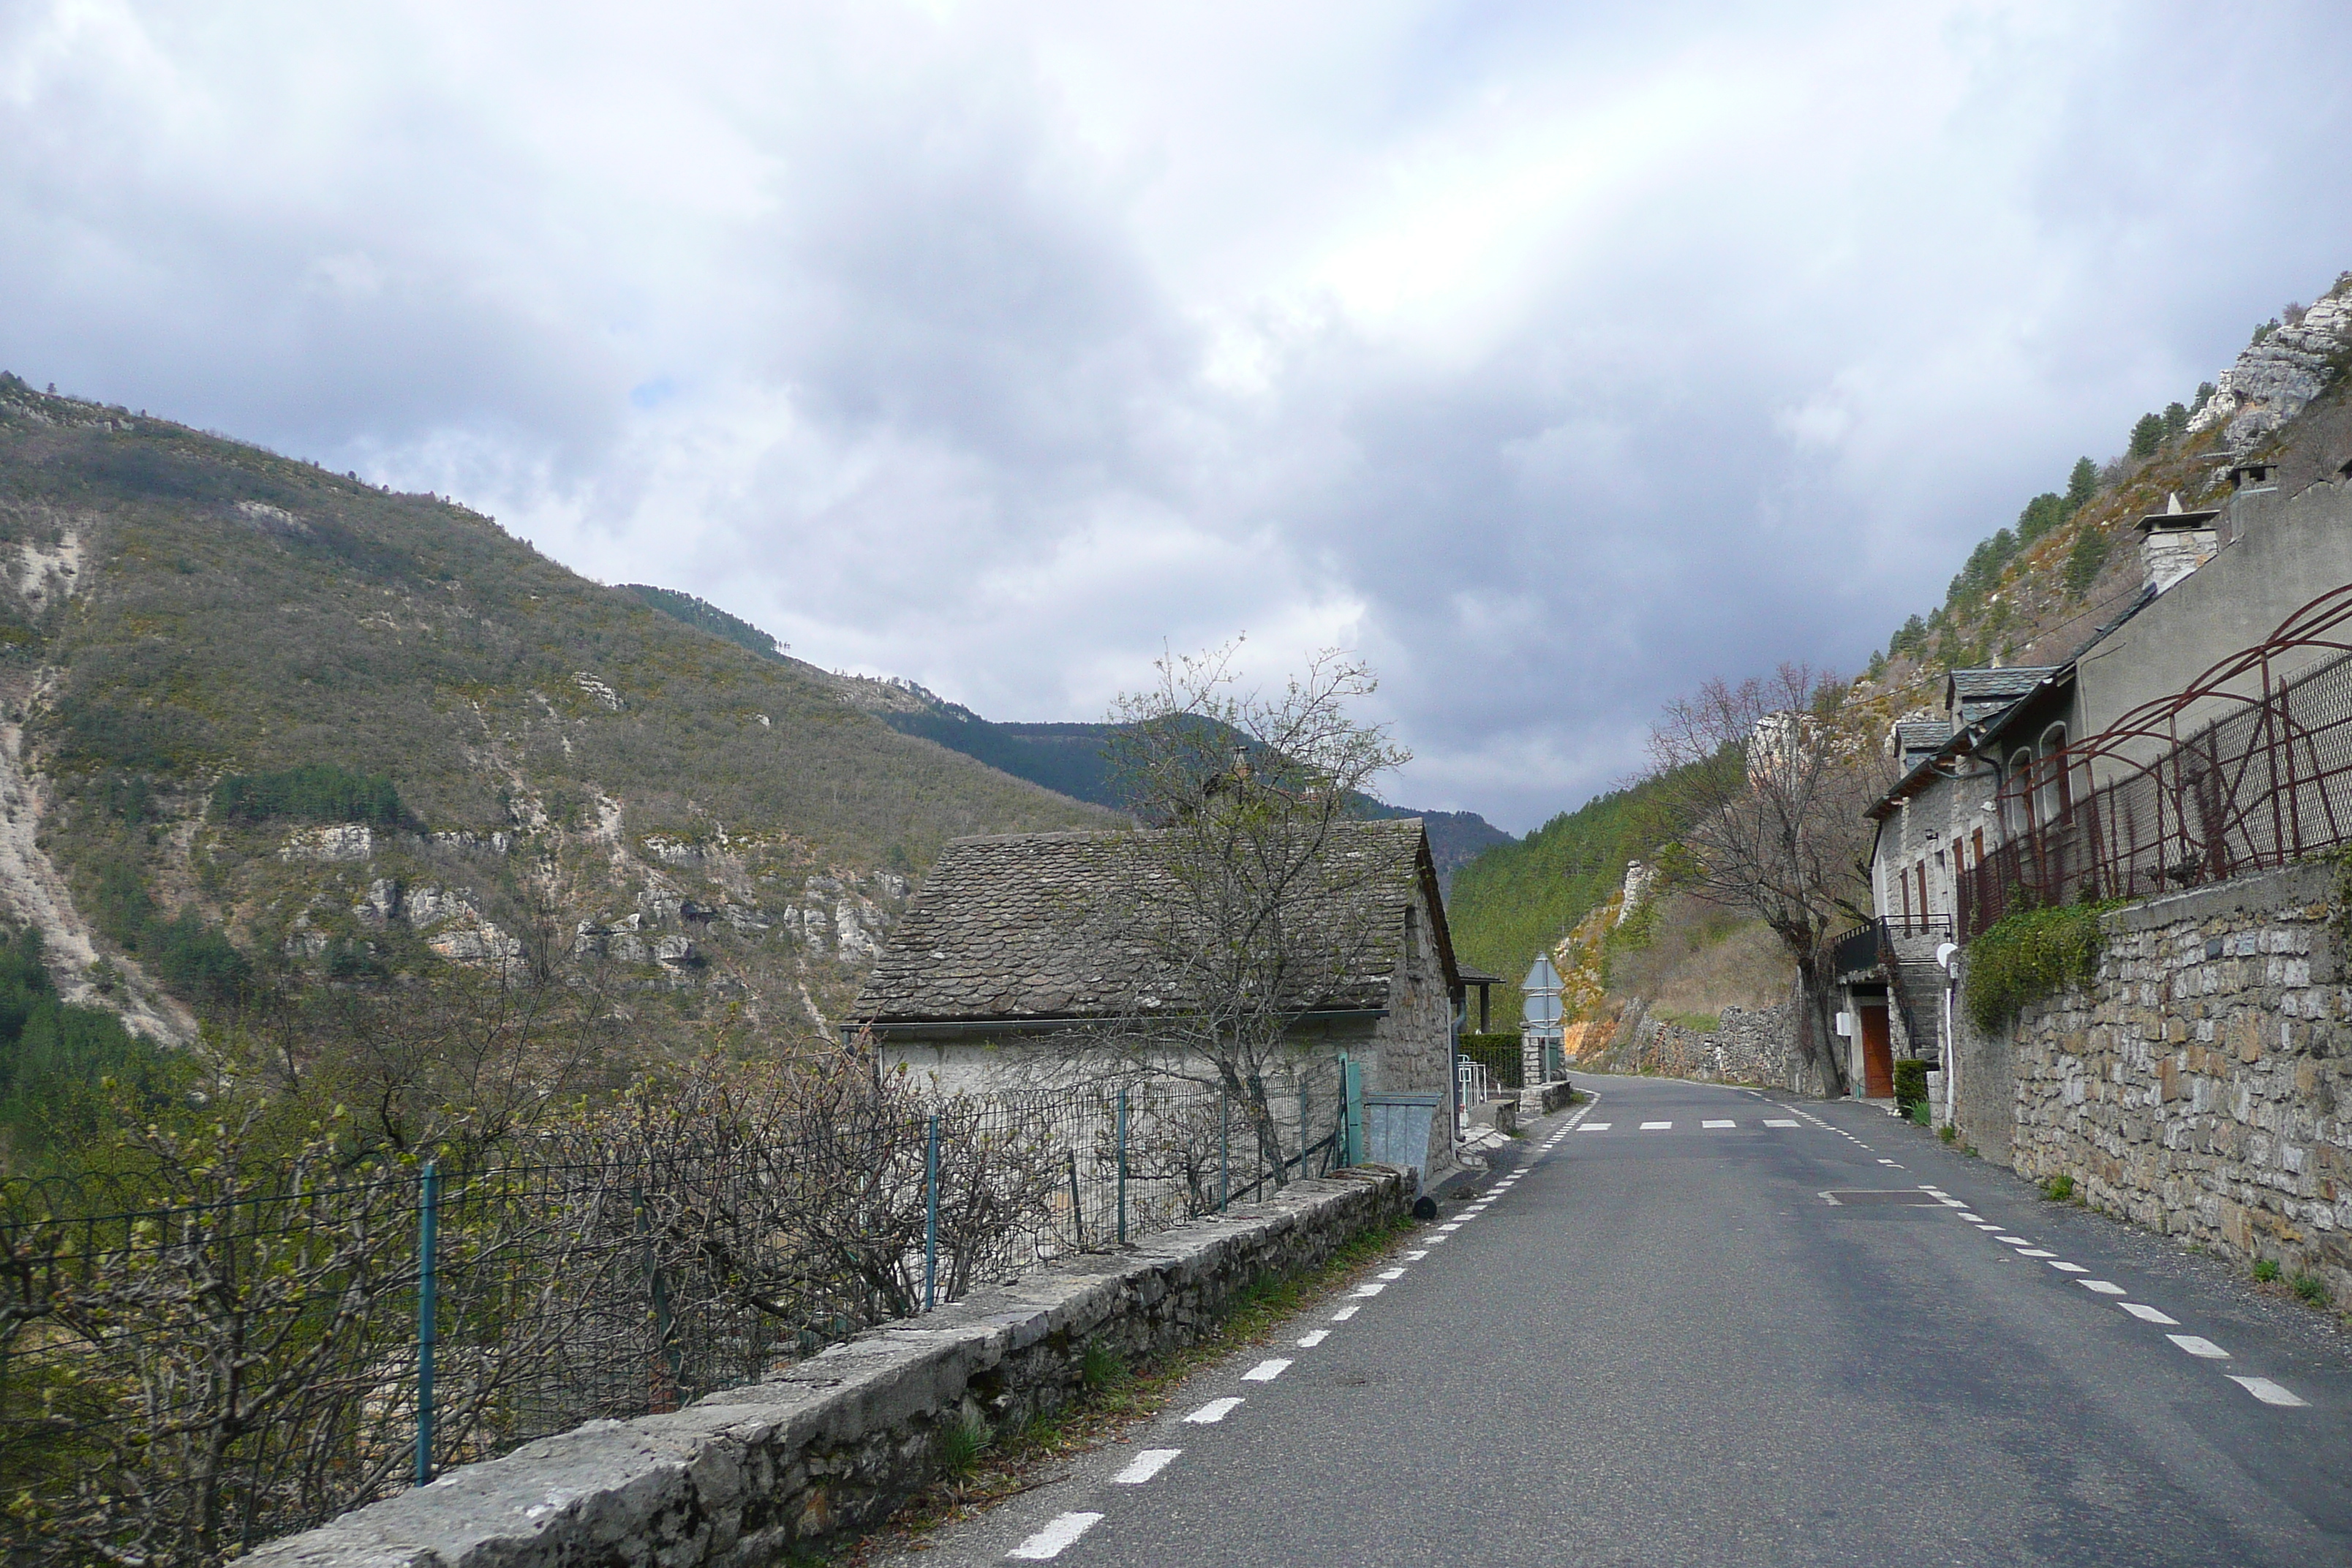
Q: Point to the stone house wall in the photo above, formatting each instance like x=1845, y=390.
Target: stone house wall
x=2199, y=1083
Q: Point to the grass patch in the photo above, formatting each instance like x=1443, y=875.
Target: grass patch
x=1949, y=1133
x=1116, y=1395
x=2266, y=1270
x=964, y=1441
x=2058, y=1189
x=2311, y=1288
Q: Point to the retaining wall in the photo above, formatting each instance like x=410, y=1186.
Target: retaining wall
x=2202, y=1083
x=1748, y=1046
x=745, y=1476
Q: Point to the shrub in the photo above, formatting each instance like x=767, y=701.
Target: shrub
x=2058, y=1189
x=2311, y=1288
x=319, y=791
x=2029, y=956
x=2266, y=1270
x=1910, y=1083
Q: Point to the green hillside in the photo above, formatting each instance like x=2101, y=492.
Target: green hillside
x=284, y=719
x=1518, y=900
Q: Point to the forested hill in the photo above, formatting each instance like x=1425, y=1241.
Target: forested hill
x=261, y=716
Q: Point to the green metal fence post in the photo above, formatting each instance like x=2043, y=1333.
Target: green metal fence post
x=931, y=1217
x=1122, y=1165
x=428, y=1246
x=1224, y=1149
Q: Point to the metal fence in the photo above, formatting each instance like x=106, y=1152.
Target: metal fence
x=1501, y=1056
x=2170, y=796
x=181, y=1382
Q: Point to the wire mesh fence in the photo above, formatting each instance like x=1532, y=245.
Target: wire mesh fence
x=2267, y=784
x=180, y=1381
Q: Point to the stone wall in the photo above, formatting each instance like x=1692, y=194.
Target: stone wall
x=2199, y=1084
x=1748, y=1046
x=748, y=1475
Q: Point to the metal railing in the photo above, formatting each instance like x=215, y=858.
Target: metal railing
x=1504, y=1063
x=181, y=1380
x=2245, y=770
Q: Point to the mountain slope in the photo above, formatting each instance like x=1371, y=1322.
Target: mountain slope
x=572, y=770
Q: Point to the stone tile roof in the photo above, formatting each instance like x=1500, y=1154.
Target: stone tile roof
x=1973, y=687
x=1029, y=926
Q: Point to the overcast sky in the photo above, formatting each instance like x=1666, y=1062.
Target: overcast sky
x=1555, y=357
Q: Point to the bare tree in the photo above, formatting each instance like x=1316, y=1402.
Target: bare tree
x=1764, y=784
x=1247, y=894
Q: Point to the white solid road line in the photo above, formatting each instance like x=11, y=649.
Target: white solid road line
x=1308, y=1340
x=1214, y=1411
x=2269, y=1392
x=1144, y=1465
x=1267, y=1371
x=2104, y=1286
x=1657, y=1126
x=1718, y=1124
x=2197, y=1344
x=1050, y=1540
x=2148, y=1314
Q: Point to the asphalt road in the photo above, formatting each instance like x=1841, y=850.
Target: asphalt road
x=1662, y=1345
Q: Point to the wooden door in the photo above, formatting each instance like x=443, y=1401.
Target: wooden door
x=1877, y=1052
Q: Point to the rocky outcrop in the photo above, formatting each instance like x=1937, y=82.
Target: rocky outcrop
x=2275, y=378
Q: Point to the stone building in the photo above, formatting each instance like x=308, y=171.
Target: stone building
x=1024, y=958
x=2214, y=583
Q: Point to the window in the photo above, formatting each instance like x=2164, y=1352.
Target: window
x=2016, y=793
x=2052, y=798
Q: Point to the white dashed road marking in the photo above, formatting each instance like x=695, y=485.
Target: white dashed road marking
x=2197, y=1344
x=2035, y=1252
x=1594, y=1127
x=1780, y=1124
x=1718, y=1124
x=1050, y=1540
x=1416, y=1257
x=1657, y=1126
x=1267, y=1371
x=1392, y=1274
x=1370, y=1289
x=1144, y=1465
x=1211, y=1413
x=2012, y=1241
x=2148, y=1314
x=2104, y=1286
x=2064, y=1267
x=1343, y=1314
x=1316, y=1337
x=2269, y=1392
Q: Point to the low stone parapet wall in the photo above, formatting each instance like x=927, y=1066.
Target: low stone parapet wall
x=745, y=1476
x=1756, y=1045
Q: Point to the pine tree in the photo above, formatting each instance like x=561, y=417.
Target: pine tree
x=2082, y=484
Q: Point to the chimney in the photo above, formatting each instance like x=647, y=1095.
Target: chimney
x=2173, y=542
x=2253, y=497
